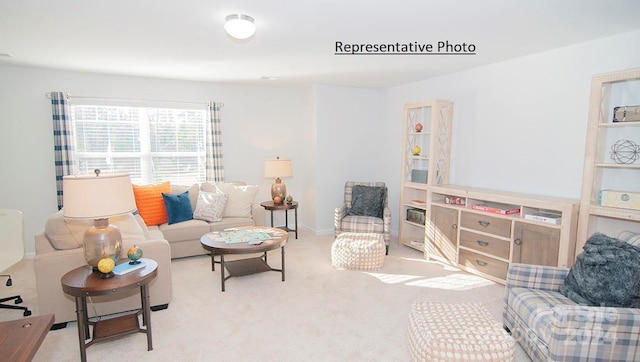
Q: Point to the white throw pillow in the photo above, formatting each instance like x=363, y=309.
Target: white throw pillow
x=210, y=206
x=193, y=193
x=65, y=233
x=240, y=200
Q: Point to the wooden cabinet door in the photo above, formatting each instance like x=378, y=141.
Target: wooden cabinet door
x=535, y=244
x=444, y=234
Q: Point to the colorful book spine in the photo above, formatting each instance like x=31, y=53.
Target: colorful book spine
x=545, y=217
x=497, y=209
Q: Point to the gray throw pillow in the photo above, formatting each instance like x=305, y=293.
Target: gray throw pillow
x=606, y=273
x=367, y=201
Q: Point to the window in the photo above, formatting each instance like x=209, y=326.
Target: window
x=151, y=144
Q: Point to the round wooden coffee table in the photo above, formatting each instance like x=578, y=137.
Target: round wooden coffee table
x=229, y=243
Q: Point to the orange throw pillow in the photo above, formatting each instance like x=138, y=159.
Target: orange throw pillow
x=150, y=202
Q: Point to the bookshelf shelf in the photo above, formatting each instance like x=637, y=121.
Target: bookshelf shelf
x=419, y=172
x=609, y=90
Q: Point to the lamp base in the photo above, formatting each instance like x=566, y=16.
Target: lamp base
x=278, y=189
x=102, y=241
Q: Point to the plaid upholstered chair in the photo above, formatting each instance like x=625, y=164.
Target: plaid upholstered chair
x=552, y=327
x=365, y=210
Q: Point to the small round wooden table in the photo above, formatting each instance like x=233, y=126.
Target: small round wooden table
x=271, y=206
x=82, y=282
x=215, y=243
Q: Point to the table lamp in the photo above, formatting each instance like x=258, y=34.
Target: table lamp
x=99, y=197
x=277, y=168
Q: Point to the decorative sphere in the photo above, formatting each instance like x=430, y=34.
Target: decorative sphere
x=416, y=150
x=277, y=200
x=134, y=253
x=418, y=127
x=289, y=199
x=625, y=152
x=106, y=265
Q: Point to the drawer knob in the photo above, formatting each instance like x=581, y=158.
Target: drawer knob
x=484, y=224
x=481, y=263
x=482, y=243
x=454, y=226
x=517, y=242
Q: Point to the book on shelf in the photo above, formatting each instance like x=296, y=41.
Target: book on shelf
x=418, y=202
x=495, y=208
x=455, y=200
x=124, y=268
x=543, y=216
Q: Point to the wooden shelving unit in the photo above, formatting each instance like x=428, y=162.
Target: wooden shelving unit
x=485, y=243
x=601, y=171
x=425, y=160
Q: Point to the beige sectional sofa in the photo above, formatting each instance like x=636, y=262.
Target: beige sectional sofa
x=241, y=210
x=59, y=250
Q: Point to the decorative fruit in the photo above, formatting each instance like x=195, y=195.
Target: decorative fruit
x=134, y=253
x=277, y=200
x=289, y=199
x=416, y=150
x=418, y=127
x=105, y=265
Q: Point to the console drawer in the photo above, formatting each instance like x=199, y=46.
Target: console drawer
x=485, y=223
x=485, y=244
x=483, y=264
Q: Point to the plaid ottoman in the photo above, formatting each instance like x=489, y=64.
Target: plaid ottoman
x=456, y=332
x=358, y=251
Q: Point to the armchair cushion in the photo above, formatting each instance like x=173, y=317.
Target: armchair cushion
x=606, y=273
x=536, y=307
x=367, y=201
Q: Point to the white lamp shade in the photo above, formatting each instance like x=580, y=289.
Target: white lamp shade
x=97, y=197
x=240, y=26
x=277, y=168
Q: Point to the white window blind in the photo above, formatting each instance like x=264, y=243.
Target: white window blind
x=151, y=144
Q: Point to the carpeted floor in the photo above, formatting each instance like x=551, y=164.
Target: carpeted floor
x=317, y=314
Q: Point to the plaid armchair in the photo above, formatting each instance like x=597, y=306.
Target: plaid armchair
x=551, y=327
x=362, y=224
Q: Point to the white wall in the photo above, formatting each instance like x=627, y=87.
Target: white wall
x=520, y=125
x=258, y=123
x=355, y=143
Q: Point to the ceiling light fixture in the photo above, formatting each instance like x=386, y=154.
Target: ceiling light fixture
x=240, y=26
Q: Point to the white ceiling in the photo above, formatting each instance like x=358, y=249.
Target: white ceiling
x=295, y=39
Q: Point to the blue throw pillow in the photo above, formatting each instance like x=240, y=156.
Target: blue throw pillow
x=178, y=207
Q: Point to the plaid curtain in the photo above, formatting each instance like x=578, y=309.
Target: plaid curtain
x=214, y=165
x=63, y=140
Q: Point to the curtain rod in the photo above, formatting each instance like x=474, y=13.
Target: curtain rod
x=48, y=95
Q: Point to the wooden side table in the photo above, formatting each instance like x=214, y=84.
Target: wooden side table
x=82, y=282
x=271, y=206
